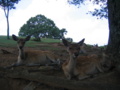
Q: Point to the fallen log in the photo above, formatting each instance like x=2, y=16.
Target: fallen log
x=61, y=82
x=33, y=65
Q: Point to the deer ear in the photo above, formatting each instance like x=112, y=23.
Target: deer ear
x=15, y=37
x=65, y=42
x=81, y=42
x=28, y=38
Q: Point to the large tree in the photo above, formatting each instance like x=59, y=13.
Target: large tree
x=40, y=26
x=109, y=9
x=114, y=28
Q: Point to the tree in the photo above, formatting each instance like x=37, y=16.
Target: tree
x=62, y=32
x=7, y=5
x=40, y=26
x=109, y=9
x=114, y=28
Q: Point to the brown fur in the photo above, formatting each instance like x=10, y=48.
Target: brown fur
x=82, y=66
x=31, y=57
x=37, y=57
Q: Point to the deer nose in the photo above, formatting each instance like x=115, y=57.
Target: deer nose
x=20, y=47
x=76, y=54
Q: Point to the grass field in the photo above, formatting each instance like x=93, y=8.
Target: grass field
x=4, y=42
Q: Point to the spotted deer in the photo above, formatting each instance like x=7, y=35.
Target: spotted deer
x=33, y=57
x=83, y=66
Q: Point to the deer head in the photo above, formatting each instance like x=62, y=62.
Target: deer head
x=73, y=48
x=21, y=42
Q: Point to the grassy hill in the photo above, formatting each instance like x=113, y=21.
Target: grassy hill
x=4, y=42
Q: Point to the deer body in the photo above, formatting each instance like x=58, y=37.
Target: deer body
x=33, y=57
x=69, y=68
x=36, y=57
x=81, y=66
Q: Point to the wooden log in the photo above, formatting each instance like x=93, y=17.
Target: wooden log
x=62, y=82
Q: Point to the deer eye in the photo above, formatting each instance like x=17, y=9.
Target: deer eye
x=18, y=41
x=23, y=42
x=78, y=48
x=70, y=48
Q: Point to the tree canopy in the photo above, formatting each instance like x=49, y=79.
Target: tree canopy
x=8, y=4
x=40, y=26
x=101, y=12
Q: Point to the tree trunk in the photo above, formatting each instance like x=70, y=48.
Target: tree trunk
x=6, y=11
x=7, y=28
x=114, y=28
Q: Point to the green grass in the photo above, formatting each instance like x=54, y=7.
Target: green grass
x=49, y=40
x=4, y=42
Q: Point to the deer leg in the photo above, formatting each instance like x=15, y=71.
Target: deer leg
x=14, y=65
x=99, y=67
x=83, y=76
x=67, y=74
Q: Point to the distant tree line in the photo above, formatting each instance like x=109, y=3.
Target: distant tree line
x=40, y=26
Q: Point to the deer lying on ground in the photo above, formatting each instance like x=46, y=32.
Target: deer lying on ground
x=33, y=57
x=83, y=66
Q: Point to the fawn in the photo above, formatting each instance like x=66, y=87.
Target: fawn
x=83, y=66
x=33, y=57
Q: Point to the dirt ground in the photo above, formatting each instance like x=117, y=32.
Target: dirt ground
x=109, y=80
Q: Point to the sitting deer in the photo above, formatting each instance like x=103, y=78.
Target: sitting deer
x=83, y=66
x=33, y=57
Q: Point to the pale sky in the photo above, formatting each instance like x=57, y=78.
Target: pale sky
x=75, y=20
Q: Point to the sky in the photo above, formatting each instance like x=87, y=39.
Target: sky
x=75, y=20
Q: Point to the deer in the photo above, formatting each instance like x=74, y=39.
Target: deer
x=33, y=57
x=83, y=66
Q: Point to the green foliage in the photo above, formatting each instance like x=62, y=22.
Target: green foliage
x=8, y=4
x=63, y=31
x=75, y=2
x=40, y=26
x=101, y=12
